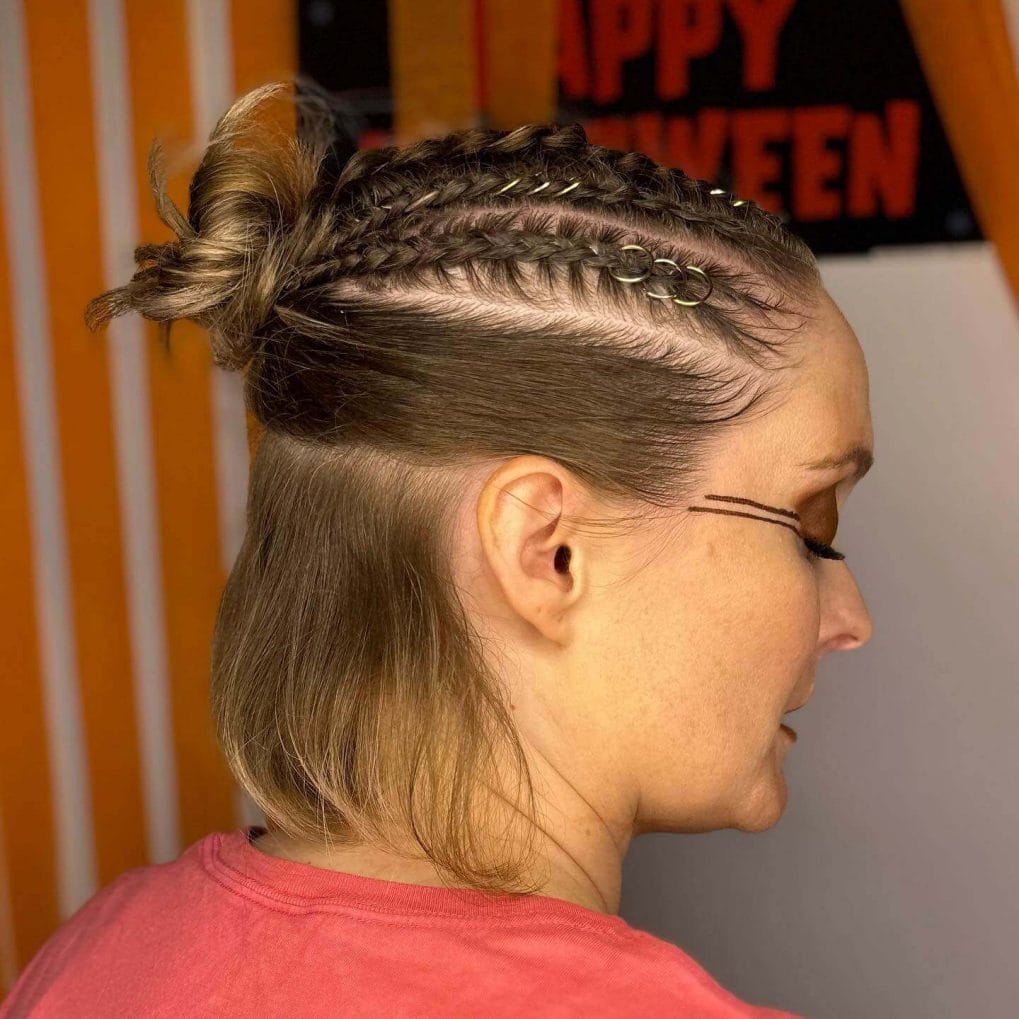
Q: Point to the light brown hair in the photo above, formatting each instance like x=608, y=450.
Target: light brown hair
x=398, y=319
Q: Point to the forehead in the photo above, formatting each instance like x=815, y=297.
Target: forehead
x=825, y=409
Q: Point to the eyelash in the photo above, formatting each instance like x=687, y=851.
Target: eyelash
x=818, y=550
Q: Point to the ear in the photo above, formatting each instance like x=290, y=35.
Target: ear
x=536, y=560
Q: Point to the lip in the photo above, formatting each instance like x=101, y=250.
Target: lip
x=791, y=733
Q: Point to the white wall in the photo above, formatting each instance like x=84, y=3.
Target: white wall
x=889, y=887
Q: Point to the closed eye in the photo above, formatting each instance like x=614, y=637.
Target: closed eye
x=819, y=550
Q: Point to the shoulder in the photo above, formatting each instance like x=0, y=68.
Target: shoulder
x=679, y=985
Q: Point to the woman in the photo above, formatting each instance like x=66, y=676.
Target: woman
x=537, y=559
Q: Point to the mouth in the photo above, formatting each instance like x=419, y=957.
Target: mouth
x=790, y=732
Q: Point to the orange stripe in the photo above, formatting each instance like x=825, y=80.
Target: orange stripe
x=520, y=91
x=69, y=210
x=433, y=55
x=182, y=432
x=964, y=48
x=264, y=36
x=26, y=785
x=264, y=42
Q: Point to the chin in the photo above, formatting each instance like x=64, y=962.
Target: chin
x=764, y=807
x=760, y=806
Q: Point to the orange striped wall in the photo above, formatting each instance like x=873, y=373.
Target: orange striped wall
x=29, y=891
x=122, y=498
x=123, y=472
x=970, y=65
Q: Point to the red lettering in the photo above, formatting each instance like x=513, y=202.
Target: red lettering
x=884, y=167
x=612, y=132
x=646, y=134
x=696, y=145
x=839, y=162
x=760, y=23
x=574, y=72
x=687, y=29
x=816, y=165
x=753, y=165
x=620, y=31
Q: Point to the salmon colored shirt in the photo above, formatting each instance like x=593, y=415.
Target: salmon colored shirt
x=227, y=930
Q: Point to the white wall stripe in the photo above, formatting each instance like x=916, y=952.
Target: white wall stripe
x=1010, y=10
x=128, y=358
x=75, y=853
x=210, y=63
x=8, y=936
x=212, y=90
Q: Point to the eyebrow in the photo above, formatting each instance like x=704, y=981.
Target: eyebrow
x=861, y=456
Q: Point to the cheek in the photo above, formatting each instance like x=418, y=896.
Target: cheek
x=700, y=658
x=750, y=638
x=689, y=670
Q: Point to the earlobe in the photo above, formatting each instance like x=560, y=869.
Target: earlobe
x=520, y=523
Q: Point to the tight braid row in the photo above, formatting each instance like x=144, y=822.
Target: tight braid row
x=456, y=247
x=404, y=261
x=387, y=193
x=377, y=210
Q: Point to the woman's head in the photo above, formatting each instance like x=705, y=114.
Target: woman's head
x=514, y=512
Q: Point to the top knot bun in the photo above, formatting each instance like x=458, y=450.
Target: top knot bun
x=237, y=249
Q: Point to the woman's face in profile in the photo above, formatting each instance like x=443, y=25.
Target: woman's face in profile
x=702, y=651
x=651, y=677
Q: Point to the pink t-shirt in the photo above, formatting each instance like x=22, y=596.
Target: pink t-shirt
x=226, y=930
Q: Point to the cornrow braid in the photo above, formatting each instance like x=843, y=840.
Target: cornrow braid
x=511, y=241
x=479, y=244
x=601, y=177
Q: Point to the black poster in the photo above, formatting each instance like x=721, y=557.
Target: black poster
x=819, y=111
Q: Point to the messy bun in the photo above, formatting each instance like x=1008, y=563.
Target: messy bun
x=421, y=310
x=250, y=224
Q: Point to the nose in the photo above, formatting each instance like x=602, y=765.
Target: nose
x=845, y=621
